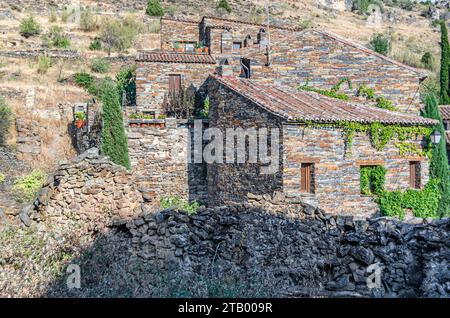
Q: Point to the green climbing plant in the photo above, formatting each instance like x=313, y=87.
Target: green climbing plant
x=372, y=179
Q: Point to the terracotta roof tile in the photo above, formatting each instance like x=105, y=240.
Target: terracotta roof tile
x=445, y=112
x=174, y=57
x=309, y=106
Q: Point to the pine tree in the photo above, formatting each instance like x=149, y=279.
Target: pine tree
x=154, y=8
x=444, y=79
x=114, y=139
x=439, y=161
x=223, y=4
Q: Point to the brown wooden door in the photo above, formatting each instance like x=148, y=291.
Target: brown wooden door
x=305, y=177
x=174, y=84
x=414, y=175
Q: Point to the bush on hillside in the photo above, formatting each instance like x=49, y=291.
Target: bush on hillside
x=119, y=35
x=6, y=117
x=29, y=27
x=100, y=65
x=154, y=8
x=223, y=4
x=380, y=43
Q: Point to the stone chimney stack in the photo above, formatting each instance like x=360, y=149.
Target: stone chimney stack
x=226, y=42
x=225, y=69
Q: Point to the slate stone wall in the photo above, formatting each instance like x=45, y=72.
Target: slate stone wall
x=177, y=31
x=152, y=81
x=337, y=171
x=159, y=160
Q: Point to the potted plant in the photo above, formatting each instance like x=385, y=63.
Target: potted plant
x=205, y=49
x=198, y=48
x=80, y=118
x=176, y=46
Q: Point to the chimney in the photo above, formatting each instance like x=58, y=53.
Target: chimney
x=225, y=69
x=226, y=42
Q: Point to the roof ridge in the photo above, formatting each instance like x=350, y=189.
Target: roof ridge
x=361, y=47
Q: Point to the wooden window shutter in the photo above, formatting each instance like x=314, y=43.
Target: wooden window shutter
x=307, y=178
x=415, y=180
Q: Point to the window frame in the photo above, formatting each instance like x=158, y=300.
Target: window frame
x=307, y=178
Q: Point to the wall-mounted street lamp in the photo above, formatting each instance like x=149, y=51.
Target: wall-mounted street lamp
x=436, y=137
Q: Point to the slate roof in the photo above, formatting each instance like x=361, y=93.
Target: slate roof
x=445, y=112
x=174, y=57
x=309, y=106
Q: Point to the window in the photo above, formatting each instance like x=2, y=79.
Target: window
x=372, y=179
x=415, y=181
x=174, y=84
x=307, y=178
x=245, y=68
x=237, y=46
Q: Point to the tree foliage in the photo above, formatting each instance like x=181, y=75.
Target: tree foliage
x=154, y=8
x=444, y=97
x=439, y=161
x=126, y=83
x=114, y=139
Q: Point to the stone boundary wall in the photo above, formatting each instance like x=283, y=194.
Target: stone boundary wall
x=90, y=189
x=66, y=54
x=302, y=250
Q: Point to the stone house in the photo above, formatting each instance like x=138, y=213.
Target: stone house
x=257, y=69
x=445, y=114
x=315, y=164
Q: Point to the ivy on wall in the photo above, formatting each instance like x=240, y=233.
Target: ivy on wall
x=423, y=203
x=380, y=135
x=372, y=179
x=362, y=91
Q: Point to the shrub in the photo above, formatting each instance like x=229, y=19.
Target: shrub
x=154, y=8
x=223, y=4
x=95, y=45
x=178, y=203
x=380, y=44
x=26, y=188
x=52, y=17
x=363, y=6
x=423, y=203
x=119, y=35
x=44, y=63
x=126, y=82
x=65, y=16
x=100, y=65
x=114, y=139
x=428, y=61
x=56, y=38
x=407, y=5
x=29, y=27
x=88, y=21
x=84, y=80
x=6, y=117
x=2, y=178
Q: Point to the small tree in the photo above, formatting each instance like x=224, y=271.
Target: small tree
x=118, y=35
x=154, y=8
x=126, y=83
x=29, y=27
x=6, y=116
x=223, y=4
x=380, y=44
x=88, y=21
x=114, y=139
x=439, y=161
x=444, y=97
